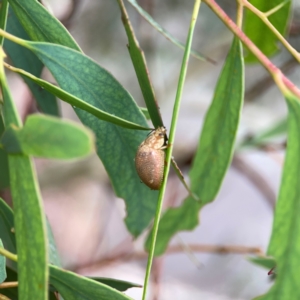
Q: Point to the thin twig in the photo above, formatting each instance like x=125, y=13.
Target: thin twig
x=8, y=254
x=283, y=83
x=175, y=249
x=8, y=285
x=174, y=121
x=264, y=18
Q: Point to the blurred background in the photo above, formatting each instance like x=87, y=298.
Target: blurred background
x=87, y=219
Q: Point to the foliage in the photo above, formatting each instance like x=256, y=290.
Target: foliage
x=114, y=126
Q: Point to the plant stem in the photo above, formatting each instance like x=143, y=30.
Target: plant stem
x=171, y=140
x=13, y=38
x=283, y=83
x=239, y=14
x=8, y=285
x=276, y=8
x=264, y=18
x=8, y=254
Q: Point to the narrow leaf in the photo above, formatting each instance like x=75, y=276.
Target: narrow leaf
x=266, y=262
x=141, y=70
x=116, y=146
x=52, y=249
x=219, y=130
x=29, y=219
x=165, y=33
x=285, y=243
x=119, y=285
x=2, y=265
x=40, y=25
x=72, y=286
x=214, y=151
x=45, y=136
x=26, y=60
x=259, y=33
x=74, y=101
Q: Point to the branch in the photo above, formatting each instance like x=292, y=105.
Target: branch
x=197, y=248
x=8, y=254
x=8, y=285
x=264, y=18
x=283, y=83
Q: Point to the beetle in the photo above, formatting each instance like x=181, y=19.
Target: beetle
x=150, y=158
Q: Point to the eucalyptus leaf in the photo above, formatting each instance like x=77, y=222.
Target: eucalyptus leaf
x=26, y=60
x=141, y=70
x=75, y=287
x=266, y=262
x=119, y=285
x=40, y=25
x=285, y=243
x=29, y=219
x=258, y=32
x=164, y=32
x=79, y=103
x=116, y=146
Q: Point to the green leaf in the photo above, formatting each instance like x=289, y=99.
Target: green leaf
x=26, y=60
x=4, y=174
x=74, y=101
x=266, y=262
x=141, y=70
x=2, y=265
x=29, y=228
x=72, y=286
x=285, y=242
x=116, y=146
x=259, y=33
x=164, y=32
x=219, y=130
x=119, y=285
x=214, y=151
x=6, y=227
x=52, y=250
x=28, y=218
x=40, y=25
x=45, y=136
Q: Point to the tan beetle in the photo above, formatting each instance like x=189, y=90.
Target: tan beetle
x=150, y=158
